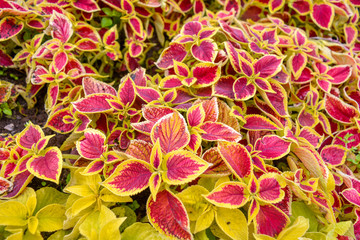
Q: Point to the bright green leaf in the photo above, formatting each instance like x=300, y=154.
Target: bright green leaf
x=106, y=22
x=13, y=213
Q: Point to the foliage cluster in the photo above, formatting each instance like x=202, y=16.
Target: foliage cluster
x=244, y=124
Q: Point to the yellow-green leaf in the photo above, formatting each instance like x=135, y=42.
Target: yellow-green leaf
x=193, y=201
x=13, y=213
x=297, y=229
x=205, y=220
x=140, y=231
x=48, y=195
x=232, y=222
x=108, y=196
x=51, y=218
x=33, y=223
x=110, y=231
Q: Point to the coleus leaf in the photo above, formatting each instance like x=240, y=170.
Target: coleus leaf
x=323, y=15
x=47, y=165
x=237, y=158
x=218, y=167
x=30, y=136
x=195, y=115
x=267, y=66
x=206, y=74
x=174, y=52
x=205, y=51
x=88, y=6
x=270, y=220
x=243, y=90
x=56, y=121
x=272, y=147
x=215, y=131
x=126, y=92
x=168, y=215
x=94, y=103
x=182, y=167
x=258, y=122
x=334, y=155
x=130, y=177
x=61, y=27
x=229, y=195
x=91, y=86
x=171, y=131
x=139, y=149
x=93, y=145
x=9, y=27
x=20, y=181
x=339, y=110
x=270, y=189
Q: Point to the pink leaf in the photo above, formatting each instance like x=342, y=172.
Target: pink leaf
x=215, y=131
x=168, y=215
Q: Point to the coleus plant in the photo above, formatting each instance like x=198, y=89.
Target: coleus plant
x=243, y=133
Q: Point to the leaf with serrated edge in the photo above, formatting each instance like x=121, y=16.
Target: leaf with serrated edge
x=182, y=167
x=129, y=178
x=229, y=195
x=168, y=216
x=237, y=158
x=172, y=132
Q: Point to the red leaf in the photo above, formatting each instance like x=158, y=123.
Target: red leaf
x=183, y=167
x=56, y=121
x=270, y=189
x=211, y=109
x=270, y=220
x=61, y=27
x=171, y=130
x=218, y=167
x=237, y=158
x=258, y=122
x=94, y=103
x=191, y=28
x=235, y=33
x=323, y=15
x=206, y=74
x=224, y=87
x=267, y=66
x=91, y=85
x=148, y=94
x=9, y=27
x=154, y=113
x=93, y=145
x=20, y=181
x=229, y=195
x=215, y=131
x=205, y=51
x=334, y=155
x=46, y=166
x=195, y=115
x=140, y=149
x=339, y=110
x=272, y=147
x=168, y=215
x=29, y=136
x=126, y=92
x=174, y=52
x=129, y=178
x=5, y=59
x=243, y=90
x=340, y=74
x=86, y=5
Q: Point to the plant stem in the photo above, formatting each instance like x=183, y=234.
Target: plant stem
x=70, y=156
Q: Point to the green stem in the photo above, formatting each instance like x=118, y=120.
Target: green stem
x=70, y=156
